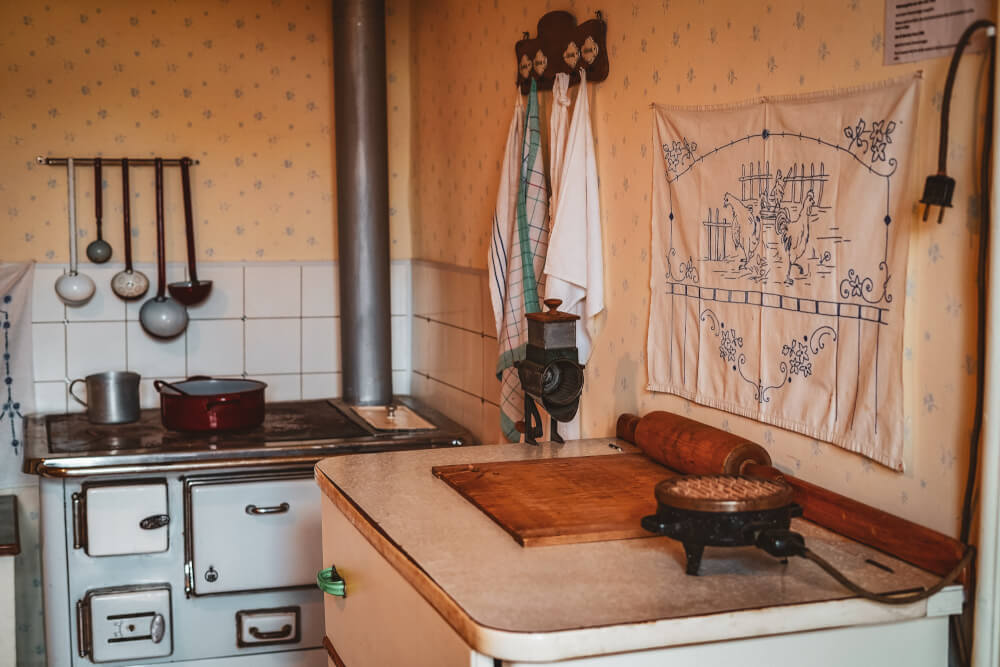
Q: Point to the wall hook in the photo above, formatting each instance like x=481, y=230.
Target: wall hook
x=562, y=46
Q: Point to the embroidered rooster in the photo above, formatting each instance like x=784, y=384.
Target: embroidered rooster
x=746, y=226
x=794, y=234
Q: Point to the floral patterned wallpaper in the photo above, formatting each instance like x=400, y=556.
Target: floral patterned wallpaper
x=245, y=87
x=693, y=52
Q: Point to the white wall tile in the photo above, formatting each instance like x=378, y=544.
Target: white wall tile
x=272, y=291
x=273, y=346
x=154, y=357
x=471, y=351
x=320, y=290
x=49, y=351
x=148, y=396
x=45, y=305
x=176, y=272
x=453, y=356
x=489, y=325
x=452, y=295
x=423, y=288
x=400, y=342
x=453, y=403
x=491, y=424
x=491, y=386
x=94, y=347
x=226, y=298
x=401, y=383
x=321, y=345
x=321, y=385
x=420, y=356
x=282, y=387
x=400, y=287
x=104, y=305
x=215, y=347
x=50, y=397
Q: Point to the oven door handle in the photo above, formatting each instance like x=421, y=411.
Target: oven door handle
x=155, y=521
x=285, y=631
x=276, y=509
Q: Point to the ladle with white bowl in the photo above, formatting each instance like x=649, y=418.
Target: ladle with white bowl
x=74, y=288
x=128, y=283
x=162, y=316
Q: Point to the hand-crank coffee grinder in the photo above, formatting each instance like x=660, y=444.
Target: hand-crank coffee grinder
x=551, y=372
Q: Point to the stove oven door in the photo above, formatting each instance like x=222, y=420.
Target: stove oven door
x=114, y=519
x=252, y=532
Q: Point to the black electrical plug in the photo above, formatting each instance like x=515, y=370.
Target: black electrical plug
x=938, y=191
x=781, y=543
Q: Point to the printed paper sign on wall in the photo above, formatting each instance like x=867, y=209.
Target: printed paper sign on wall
x=778, y=262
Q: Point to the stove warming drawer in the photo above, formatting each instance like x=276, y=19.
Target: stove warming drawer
x=251, y=533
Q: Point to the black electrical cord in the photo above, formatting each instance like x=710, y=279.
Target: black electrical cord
x=958, y=633
x=977, y=425
x=949, y=85
x=888, y=598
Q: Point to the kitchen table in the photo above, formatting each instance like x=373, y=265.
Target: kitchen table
x=431, y=580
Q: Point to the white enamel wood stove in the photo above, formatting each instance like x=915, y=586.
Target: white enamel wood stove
x=163, y=548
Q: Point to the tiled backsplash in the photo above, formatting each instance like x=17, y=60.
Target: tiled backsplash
x=455, y=346
x=277, y=322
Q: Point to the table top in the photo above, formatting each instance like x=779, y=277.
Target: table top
x=458, y=558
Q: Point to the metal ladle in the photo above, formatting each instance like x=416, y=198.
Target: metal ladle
x=162, y=316
x=75, y=289
x=98, y=251
x=128, y=284
x=191, y=291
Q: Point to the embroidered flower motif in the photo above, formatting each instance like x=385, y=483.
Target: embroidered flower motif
x=679, y=154
x=798, y=357
x=729, y=345
x=880, y=137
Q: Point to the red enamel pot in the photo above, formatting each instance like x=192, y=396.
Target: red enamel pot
x=211, y=404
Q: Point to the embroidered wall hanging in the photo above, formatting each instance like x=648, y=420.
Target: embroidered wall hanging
x=779, y=263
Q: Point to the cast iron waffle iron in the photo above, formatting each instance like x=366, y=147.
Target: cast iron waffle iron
x=719, y=511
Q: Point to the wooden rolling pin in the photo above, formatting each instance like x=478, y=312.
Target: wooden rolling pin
x=691, y=447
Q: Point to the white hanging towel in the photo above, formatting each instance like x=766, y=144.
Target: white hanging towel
x=517, y=253
x=575, y=265
x=504, y=220
x=558, y=122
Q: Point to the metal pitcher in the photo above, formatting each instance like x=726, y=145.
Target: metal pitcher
x=112, y=397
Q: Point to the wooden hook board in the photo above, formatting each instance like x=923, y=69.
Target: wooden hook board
x=563, y=46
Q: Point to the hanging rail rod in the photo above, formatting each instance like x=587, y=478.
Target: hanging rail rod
x=108, y=161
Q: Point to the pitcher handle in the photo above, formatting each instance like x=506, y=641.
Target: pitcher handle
x=75, y=397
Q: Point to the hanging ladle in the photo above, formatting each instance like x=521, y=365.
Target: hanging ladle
x=191, y=291
x=128, y=284
x=75, y=289
x=98, y=251
x=162, y=316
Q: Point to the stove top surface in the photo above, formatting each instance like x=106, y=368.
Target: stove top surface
x=293, y=432
x=283, y=422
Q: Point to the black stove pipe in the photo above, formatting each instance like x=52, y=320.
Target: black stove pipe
x=361, y=134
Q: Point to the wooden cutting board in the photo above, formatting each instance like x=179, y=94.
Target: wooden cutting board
x=562, y=501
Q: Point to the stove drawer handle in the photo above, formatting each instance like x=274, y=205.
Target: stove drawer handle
x=257, y=633
x=155, y=521
x=331, y=583
x=276, y=509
